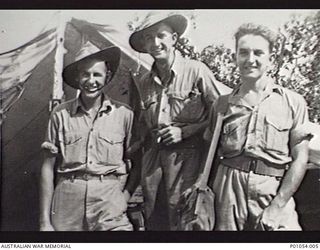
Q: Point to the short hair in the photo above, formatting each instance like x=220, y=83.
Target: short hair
x=257, y=30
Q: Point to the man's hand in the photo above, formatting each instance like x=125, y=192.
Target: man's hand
x=46, y=227
x=271, y=217
x=170, y=135
x=272, y=214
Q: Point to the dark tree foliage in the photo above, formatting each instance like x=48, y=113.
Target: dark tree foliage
x=299, y=61
x=221, y=61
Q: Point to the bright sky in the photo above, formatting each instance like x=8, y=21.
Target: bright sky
x=213, y=26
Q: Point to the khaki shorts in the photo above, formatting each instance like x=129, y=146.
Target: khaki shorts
x=241, y=198
x=93, y=205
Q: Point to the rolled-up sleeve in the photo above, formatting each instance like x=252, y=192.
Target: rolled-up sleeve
x=299, y=131
x=50, y=143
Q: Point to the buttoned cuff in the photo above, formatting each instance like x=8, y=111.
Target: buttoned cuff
x=51, y=147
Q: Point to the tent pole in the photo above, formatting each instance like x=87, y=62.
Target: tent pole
x=57, y=91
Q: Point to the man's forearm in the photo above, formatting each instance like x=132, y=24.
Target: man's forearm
x=293, y=176
x=133, y=178
x=192, y=129
x=46, y=189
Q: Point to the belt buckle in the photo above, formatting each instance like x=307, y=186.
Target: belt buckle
x=85, y=177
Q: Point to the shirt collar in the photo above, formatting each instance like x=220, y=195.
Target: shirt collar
x=175, y=68
x=270, y=88
x=106, y=106
x=177, y=63
x=76, y=106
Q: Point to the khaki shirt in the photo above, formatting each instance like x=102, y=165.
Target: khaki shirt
x=266, y=131
x=96, y=145
x=185, y=100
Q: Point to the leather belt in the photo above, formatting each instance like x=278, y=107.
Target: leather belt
x=87, y=176
x=257, y=166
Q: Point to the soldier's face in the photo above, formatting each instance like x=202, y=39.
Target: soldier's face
x=253, y=56
x=92, y=79
x=159, y=41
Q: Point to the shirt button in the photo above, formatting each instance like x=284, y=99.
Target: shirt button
x=91, y=146
x=164, y=110
x=91, y=129
x=90, y=162
x=221, y=157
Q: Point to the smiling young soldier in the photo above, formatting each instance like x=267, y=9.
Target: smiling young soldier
x=176, y=96
x=263, y=146
x=87, y=140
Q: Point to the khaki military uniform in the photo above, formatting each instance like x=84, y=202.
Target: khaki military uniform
x=90, y=169
x=254, y=154
x=185, y=103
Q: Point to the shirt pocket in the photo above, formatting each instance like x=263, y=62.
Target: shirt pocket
x=233, y=137
x=276, y=134
x=74, y=148
x=110, y=148
x=187, y=106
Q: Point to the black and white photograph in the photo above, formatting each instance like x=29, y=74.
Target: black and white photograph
x=160, y=120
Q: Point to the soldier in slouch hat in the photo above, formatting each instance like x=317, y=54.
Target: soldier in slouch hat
x=86, y=149
x=175, y=98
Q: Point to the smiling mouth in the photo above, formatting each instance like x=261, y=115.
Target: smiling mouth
x=157, y=51
x=91, y=90
x=251, y=69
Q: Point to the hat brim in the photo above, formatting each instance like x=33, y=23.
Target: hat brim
x=109, y=55
x=178, y=23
